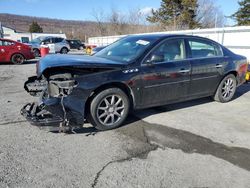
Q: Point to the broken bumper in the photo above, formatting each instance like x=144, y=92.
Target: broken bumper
x=39, y=116
x=50, y=114
x=65, y=104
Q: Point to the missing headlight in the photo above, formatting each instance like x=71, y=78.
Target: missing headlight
x=58, y=88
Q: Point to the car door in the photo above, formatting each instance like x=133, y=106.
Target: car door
x=6, y=48
x=74, y=44
x=53, y=45
x=3, y=52
x=207, y=64
x=165, y=73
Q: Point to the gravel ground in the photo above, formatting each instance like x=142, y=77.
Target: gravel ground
x=193, y=144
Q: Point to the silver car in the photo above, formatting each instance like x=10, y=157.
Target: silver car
x=55, y=44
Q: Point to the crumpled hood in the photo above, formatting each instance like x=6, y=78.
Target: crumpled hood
x=61, y=60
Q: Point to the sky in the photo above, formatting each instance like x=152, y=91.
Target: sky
x=83, y=9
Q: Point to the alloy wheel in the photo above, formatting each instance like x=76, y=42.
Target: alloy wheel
x=64, y=51
x=18, y=59
x=228, y=88
x=110, y=110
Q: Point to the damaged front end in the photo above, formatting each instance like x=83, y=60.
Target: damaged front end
x=54, y=107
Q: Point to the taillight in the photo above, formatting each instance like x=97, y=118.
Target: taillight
x=243, y=69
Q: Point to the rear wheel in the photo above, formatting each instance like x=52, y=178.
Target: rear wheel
x=109, y=109
x=36, y=52
x=64, y=50
x=17, y=59
x=226, y=89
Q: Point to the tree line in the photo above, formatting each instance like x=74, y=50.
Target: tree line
x=172, y=15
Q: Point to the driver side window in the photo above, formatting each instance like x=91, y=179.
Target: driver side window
x=170, y=50
x=47, y=41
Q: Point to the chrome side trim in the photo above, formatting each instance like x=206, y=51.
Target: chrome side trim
x=202, y=78
x=184, y=71
x=218, y=66
x=157, y=85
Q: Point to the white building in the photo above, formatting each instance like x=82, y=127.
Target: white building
x=236, y=39
x=10, y=33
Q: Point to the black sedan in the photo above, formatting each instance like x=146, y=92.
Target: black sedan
x=135, y=72
x=76, y=44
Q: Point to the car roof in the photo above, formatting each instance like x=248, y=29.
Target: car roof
x=46, y=37
x=165, y=36
x=7, y=40
x=73, y=39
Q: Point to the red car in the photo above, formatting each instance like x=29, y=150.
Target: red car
x=15, y=52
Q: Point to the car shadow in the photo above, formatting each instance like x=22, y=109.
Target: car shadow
x=91, y=131
x=32, y=61
x=243, y=89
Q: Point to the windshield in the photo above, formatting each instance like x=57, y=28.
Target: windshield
x=36, y=40
x=126, y=49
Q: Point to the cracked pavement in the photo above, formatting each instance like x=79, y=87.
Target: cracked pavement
x=199, y=143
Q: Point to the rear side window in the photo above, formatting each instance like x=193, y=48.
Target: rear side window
x=5, y=43
x=202, y=48
x=47, y=41
x=57, y=40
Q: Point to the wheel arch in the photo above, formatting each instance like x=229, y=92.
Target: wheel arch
x=15, y=53
x=125, y=88
x=234, y=72
x=64, y=47
x=37, y=50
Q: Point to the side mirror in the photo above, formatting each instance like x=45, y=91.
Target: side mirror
x=154, y=59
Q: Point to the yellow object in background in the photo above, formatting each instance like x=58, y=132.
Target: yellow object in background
x=89, y=50
x=248, y=76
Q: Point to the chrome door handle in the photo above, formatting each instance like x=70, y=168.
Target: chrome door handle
x=184, y=71
x=218, y=66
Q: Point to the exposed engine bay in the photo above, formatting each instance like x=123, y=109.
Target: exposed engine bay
x=50, y=109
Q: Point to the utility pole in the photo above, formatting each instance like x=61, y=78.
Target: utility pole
x=1, y=30
x=216, y=19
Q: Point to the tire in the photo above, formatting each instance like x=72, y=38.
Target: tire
x=226, y=89
x=109, y=109
x=64, y=50
x=36, y=52
x=81, y=48
x=17, y=59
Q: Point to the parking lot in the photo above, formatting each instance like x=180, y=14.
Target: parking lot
x=200, y=143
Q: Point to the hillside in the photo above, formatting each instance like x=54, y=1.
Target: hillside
x=72, y=28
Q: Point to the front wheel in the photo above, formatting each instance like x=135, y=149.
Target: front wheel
x=226, y=89
x=109, y=109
